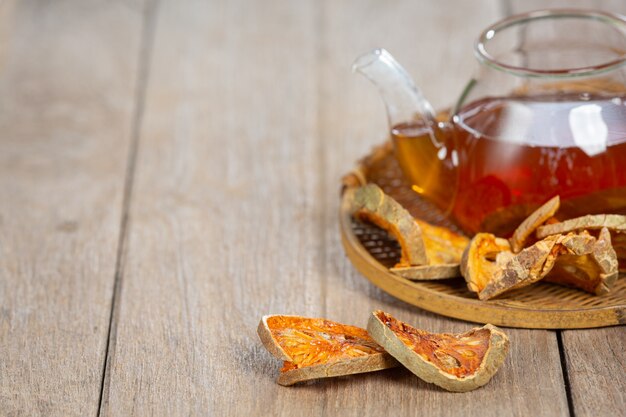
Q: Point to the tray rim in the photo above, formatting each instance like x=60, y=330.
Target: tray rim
x=494, y=312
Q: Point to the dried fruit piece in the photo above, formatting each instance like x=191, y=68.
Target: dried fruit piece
x=443, y=246
x=618, y=240
x=613, y=222
x=428, y=252
x=522, y=269
x=594, y=271
x=428, y=272
x=370, y=203
x=319, y=348
x=444, y=249
x=478, y=263
x=532, y=222
x=455, y=362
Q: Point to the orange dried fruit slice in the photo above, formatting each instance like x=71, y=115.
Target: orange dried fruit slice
x=428, y=252
x=522, y=269
x=444, y=249
x=479, y=263
x=371, y=204
x=314, y=348
x=532, y=222
x=615, y=223
x=455, y=362
x=443, y=246
x=618, y=240
x=590, y=269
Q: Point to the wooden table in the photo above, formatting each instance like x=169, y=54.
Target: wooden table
x=169, y=173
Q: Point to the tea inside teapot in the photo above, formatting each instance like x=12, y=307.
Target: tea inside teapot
x=503, y=153
x=512, y=152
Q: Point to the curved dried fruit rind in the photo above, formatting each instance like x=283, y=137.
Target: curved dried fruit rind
x=478, y=263
x=593, y=269
x=428, y=272
x=314, y=348
x=520, y=270
x=532, y=222
x=613, y=222
x=370, y=203
x=459, y=363
x=618, y=240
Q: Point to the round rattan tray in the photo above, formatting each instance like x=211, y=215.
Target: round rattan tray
x=540, y=306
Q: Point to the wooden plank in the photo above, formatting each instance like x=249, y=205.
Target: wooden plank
x=595, y=359
x=67, y=93
x=225, y=216
x=435, y=44
x=596, y=362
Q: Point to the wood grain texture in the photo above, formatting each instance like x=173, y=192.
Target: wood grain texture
x=225, y=216
x=595, y=359
x=67, y=78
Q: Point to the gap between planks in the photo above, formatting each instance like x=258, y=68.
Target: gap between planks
x=149, y=13
x=566, y=381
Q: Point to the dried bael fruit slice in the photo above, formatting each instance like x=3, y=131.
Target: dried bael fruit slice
x=444, y=249
x=618, y=240
x=480, y=263
x=521, y=270
x=371, y=204
x=615, y=223
x=532, y=222
x=318, y=348
x=428, y=252
x=456, y=362
x=443, y=246
x=594, y=271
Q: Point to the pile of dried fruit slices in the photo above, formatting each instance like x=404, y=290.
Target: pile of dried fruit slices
x=313, y=348
x=586, y=253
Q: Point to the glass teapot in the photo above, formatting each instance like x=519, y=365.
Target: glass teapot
x=544, y=116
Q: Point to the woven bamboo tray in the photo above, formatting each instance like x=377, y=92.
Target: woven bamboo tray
x=540, y=306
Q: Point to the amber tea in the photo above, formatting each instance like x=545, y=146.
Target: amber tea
x=544, y=115
x=514, y=153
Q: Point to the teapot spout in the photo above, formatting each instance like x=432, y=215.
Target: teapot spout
x=403, y=100
x=424, y=148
